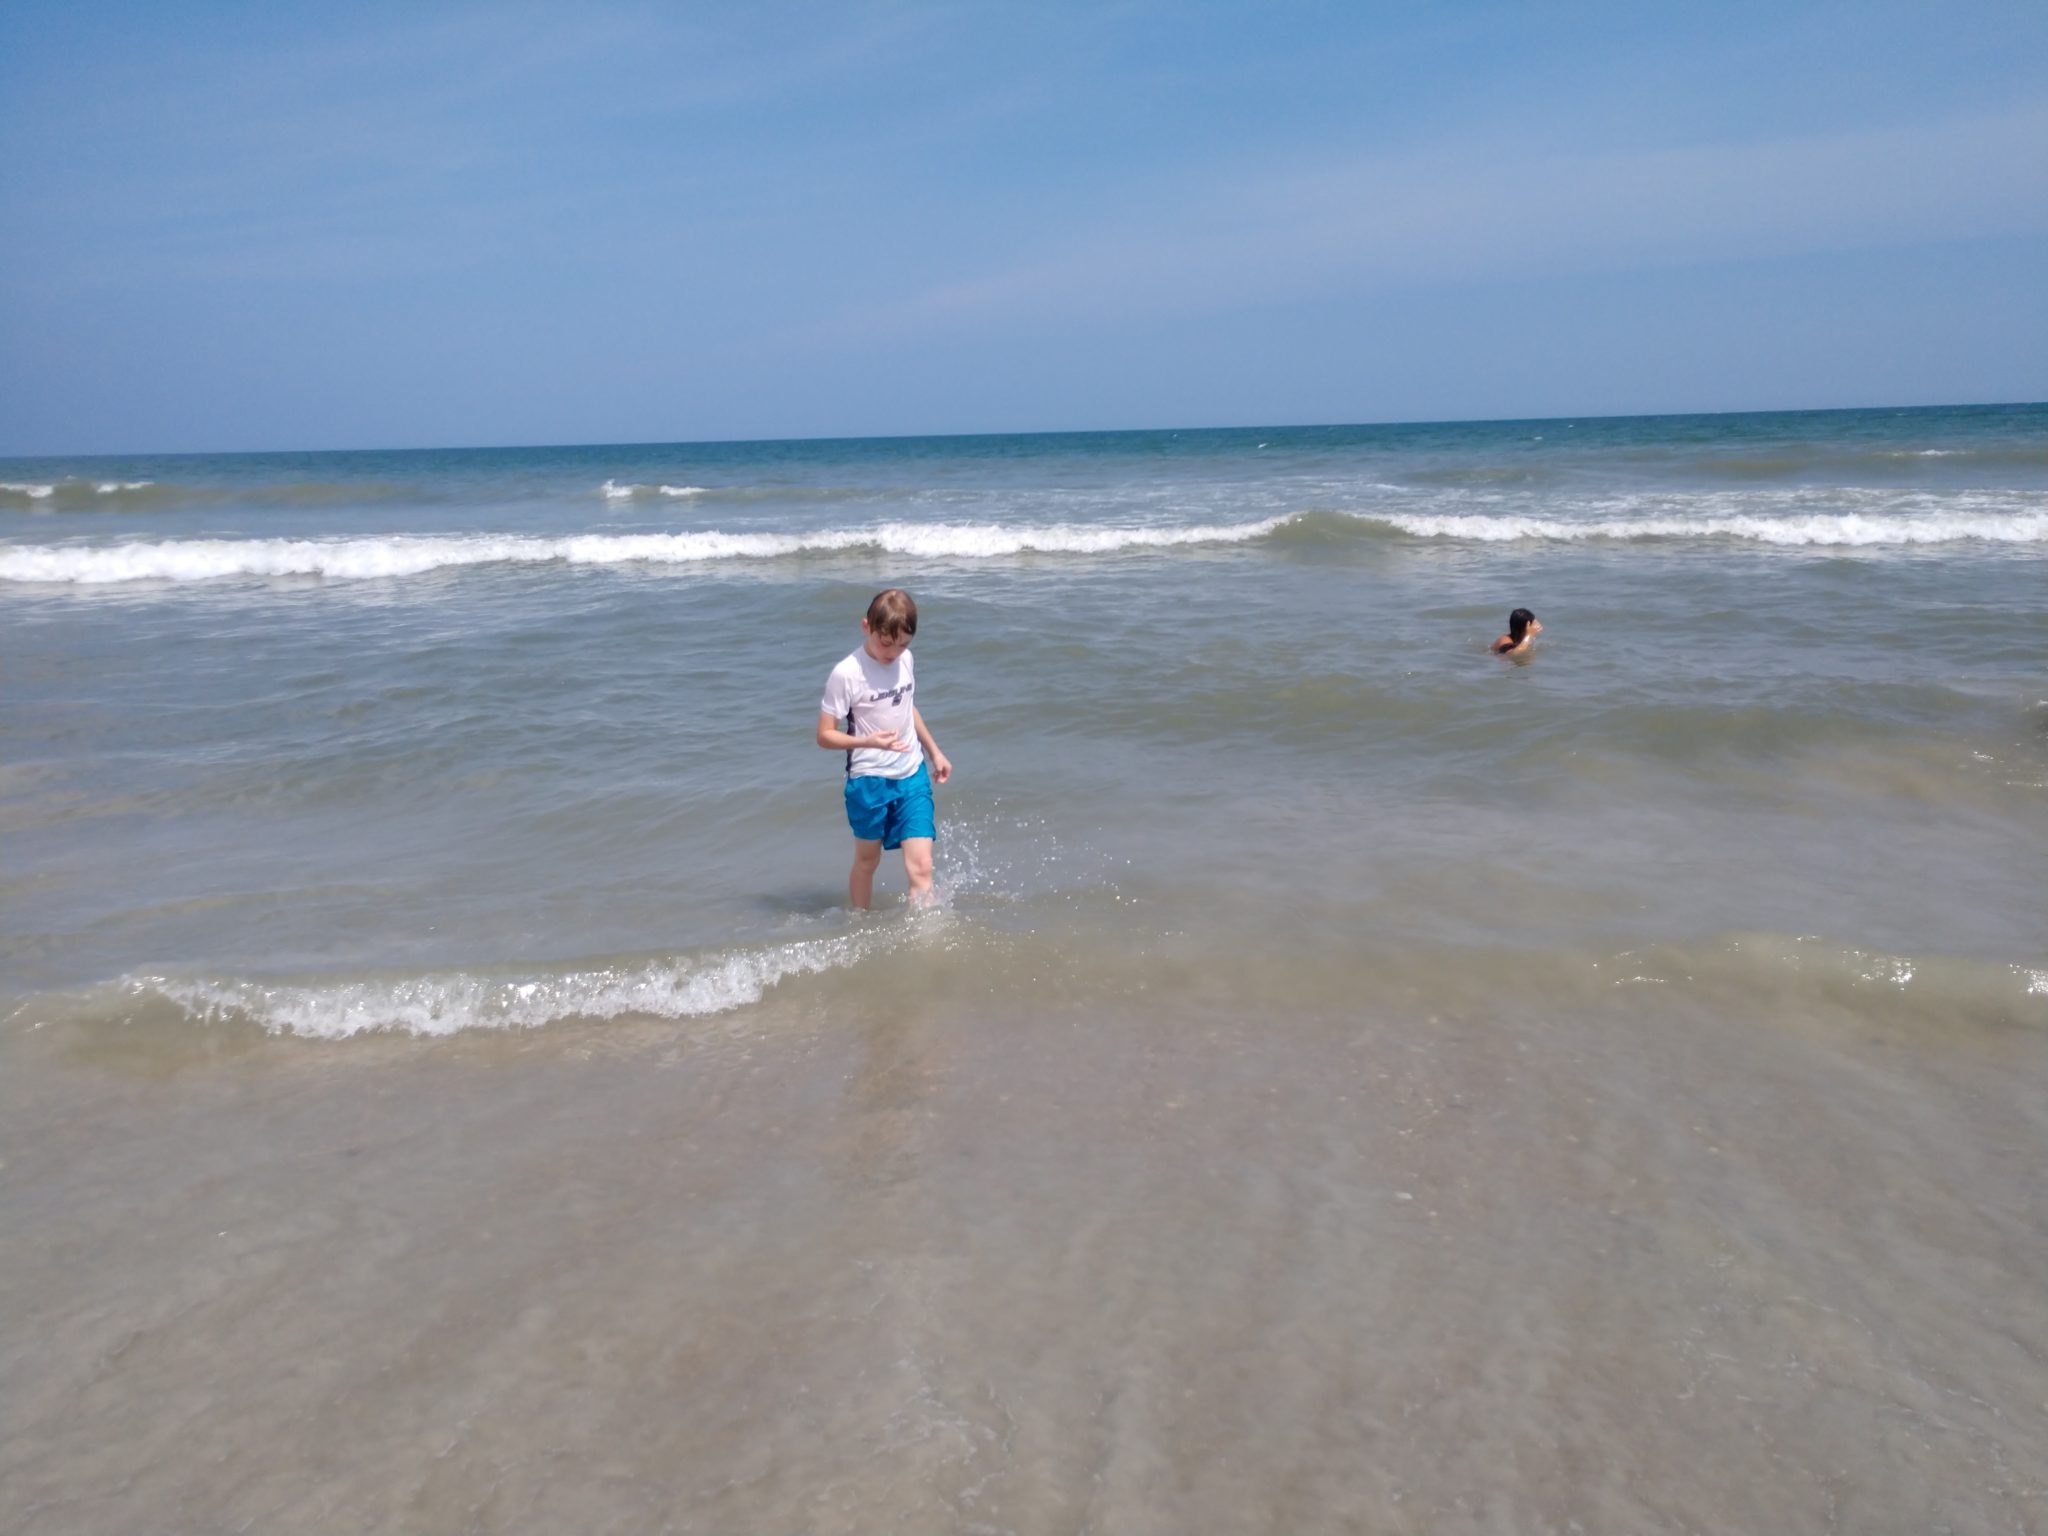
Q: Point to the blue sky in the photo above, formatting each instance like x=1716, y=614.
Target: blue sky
x=256, y=226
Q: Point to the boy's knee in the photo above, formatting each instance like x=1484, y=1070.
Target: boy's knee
x=867, y=855
x=917, y=862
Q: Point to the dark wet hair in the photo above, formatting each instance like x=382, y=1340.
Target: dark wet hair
x=892, y=613
x=1518, y=630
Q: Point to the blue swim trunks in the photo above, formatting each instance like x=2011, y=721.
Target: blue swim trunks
x=891, y=809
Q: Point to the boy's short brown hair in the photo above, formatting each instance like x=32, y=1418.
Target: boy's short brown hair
x=892, y=613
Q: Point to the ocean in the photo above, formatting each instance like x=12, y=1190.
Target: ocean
x=1350, y=1081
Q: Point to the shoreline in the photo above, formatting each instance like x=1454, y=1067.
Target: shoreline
x=1148, y=1262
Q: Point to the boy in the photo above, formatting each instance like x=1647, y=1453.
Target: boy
x=886, y=742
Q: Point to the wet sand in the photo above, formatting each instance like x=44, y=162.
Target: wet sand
x=1025, y=1251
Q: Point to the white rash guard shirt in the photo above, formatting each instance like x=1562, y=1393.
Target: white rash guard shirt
x=869, y=696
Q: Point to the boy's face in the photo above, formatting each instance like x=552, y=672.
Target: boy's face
x=883, y=647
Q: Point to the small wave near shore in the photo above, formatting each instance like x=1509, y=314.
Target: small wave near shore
x=446, y=1003
x=1930, y=991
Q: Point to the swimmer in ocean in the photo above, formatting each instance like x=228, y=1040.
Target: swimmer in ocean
x=1523, y=627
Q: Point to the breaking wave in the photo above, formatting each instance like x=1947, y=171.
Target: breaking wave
x=1755, y=969
x=210, y=559
x=1839, y=529
x=191, y=560
x=448, y=1003
x=613, y=491
x=71, y=495
x=780, y=494
x=86, y=493
x=1743, y=971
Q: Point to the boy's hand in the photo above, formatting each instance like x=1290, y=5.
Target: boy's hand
x=886, y=741
x=942, y=765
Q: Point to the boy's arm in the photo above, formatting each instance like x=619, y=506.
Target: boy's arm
x=942, y=765
x=833, y=739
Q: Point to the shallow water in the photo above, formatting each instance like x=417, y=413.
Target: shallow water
x=1356, y=1083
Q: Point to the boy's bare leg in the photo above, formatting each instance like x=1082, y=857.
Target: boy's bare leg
x=917, y=869
x=860, y=885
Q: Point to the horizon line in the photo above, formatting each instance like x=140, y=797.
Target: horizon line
x=906, y=437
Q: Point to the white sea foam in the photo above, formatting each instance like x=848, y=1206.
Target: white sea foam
x=42, y=491
x=446, y=1004
x=354, y=559
x=614, y=491
x=1851, y=529
x=359, y=559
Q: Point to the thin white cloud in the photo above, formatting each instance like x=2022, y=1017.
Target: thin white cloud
x=1493, y=211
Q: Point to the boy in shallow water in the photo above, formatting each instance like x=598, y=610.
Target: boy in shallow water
x=887, y=747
